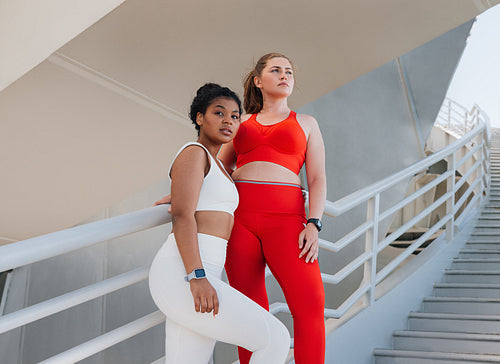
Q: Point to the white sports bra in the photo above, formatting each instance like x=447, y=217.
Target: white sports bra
x=217, y=193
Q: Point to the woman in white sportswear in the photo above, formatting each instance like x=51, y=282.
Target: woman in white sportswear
x=185, y=277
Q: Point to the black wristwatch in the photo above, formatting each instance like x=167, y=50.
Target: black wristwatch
x=196, y=274
x=316, y=222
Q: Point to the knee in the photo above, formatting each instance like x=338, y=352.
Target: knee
x=311, y=308
x=279, y=336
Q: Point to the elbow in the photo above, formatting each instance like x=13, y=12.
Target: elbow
x=317, y=181
x=179, y=217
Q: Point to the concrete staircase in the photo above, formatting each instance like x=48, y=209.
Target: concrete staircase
x=460, y=323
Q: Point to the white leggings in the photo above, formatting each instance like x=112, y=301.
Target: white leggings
x=191, y=335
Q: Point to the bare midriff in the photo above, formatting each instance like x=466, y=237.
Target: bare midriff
x=216, y=223
x=265, y=172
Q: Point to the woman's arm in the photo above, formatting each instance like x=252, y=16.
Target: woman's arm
x=227, y=156
x=188, y=172
x=316, y=182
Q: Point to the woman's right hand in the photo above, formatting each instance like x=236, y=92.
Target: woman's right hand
x=205, y=296
x=164, y=200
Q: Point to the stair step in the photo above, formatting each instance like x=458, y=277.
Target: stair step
x=489, y=230
x=482, y=245
x=386, y=356
x=462, y=305
x=486, y=233
x=477, y=290
x=479, y=253
x=489, y=225
x=450, y=322
x=472, y=276
x=476, y=264
x=490, y=210
x=447, y=342
x=484, y=239
x=492, y=238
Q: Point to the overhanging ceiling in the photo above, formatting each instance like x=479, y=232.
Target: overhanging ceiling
x=166, y=49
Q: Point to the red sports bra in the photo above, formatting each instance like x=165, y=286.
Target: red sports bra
x=283, y=143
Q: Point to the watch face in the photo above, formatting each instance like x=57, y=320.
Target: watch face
x=199, y=273
x=316, y=222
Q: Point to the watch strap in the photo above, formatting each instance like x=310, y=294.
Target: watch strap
x=317, y=223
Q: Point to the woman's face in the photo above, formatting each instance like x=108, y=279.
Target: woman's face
x=221, y=120
x=276, y=78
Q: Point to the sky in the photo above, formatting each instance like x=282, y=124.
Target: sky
x=477, y=77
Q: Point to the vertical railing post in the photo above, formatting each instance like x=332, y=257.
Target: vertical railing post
x=449, y=114
x=450, y=202
x=371, y=242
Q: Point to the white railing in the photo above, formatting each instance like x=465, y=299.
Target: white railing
x=478, y=181
x=456, y=119
x=477, y=177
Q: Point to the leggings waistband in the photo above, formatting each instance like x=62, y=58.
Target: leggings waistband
x=268, y=183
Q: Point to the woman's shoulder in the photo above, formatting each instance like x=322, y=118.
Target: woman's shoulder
x=193, y=149
x=192, y=152
x=306, y=119
x=307, y=122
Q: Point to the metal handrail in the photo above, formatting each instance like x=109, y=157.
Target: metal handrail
x=356, y=198
x=36, y=249
x=50, y=245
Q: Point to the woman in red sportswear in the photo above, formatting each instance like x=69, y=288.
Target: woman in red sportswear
x=270, y=226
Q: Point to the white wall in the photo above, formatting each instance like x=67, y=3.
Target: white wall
x=71, y=142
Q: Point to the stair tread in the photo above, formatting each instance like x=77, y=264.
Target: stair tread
x=447, y=335
x=491, y=261
x=454, y=316
x=480, y=250
x=471, y=272
x=466, y=285
x=496, y=240
x=437, y=355
x=461, y=299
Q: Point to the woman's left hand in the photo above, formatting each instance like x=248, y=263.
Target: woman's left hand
x=308, y=242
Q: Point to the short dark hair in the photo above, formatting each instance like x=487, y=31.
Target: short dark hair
x=205, y=95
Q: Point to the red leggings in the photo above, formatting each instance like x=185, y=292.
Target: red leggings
x=267, y=224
